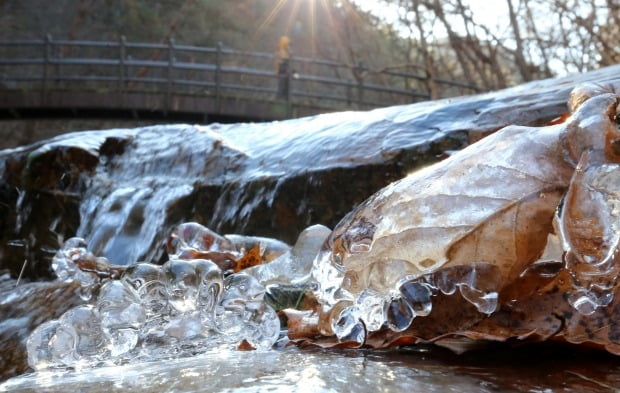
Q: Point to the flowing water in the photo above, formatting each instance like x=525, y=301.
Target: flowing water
x=125, y=207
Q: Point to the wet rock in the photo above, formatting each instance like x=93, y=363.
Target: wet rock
x=24, y=307
x=124, y=190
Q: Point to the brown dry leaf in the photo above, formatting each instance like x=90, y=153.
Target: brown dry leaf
x=301, y=324
x=245, y=346
x=545, y=314
x=251, y=258
x=483, y=222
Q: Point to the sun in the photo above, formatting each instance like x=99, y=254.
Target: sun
x=319, y=16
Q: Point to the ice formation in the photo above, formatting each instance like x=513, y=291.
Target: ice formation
x=477, y=221
x=540, y=203
x=185, y=306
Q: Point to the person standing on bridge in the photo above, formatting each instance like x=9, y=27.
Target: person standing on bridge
x=283, y=67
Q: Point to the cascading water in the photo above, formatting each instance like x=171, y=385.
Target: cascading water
x=128, y=197
x=125, y=207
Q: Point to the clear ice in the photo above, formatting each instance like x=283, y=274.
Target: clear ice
x=242, y=314
x=295, y=265
x=185, y=306
x=387, y=260
x=193, y=237
x=37, y=345
x=122, y=316
x=65, y=265
x=348, y=327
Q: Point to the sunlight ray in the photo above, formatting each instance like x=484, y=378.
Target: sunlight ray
x=291, y=18
x=341, y=48
x=274, y=12
x=312, y=12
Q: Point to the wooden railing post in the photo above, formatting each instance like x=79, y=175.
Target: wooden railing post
x=218, y=70
x=170, y=82
x=359, y=73
x=122, y=78
x=289, y=90
x=57, y=53
x=47, y=55
x=349, y=92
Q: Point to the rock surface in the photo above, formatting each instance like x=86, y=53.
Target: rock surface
x=23, y=308
x=124, y=189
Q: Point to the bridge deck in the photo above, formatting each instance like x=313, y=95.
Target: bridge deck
x=140, y=105
x=47, y=78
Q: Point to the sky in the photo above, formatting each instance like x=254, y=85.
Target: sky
x=492, y=13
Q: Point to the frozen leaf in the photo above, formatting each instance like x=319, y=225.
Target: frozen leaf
x=244, y=345
x=516, y=236
x=194, y=241
x=251, y=258
x=270, y=249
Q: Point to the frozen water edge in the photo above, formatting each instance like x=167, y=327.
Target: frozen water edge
x=150, y=311
x=283, y=370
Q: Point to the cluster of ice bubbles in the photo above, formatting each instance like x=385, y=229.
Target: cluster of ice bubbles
x=146, y=311
x=192, y=304
x=354, y=316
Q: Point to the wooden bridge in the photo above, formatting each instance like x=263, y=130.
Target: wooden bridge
x=102, y=79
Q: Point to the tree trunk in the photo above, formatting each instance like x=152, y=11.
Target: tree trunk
x=522, y=65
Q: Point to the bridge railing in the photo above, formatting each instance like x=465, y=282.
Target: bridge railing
x=170, y=69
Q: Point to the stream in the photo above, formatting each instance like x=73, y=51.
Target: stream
x=125, y=190
x=540, y=368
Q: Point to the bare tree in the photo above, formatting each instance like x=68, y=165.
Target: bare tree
x=543, y=38
x=524, y=69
